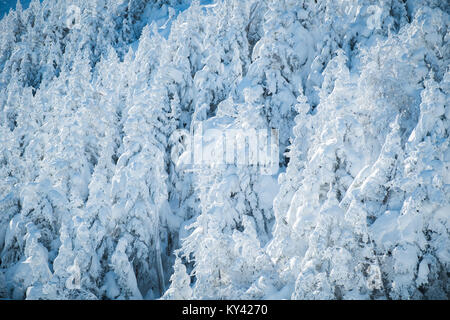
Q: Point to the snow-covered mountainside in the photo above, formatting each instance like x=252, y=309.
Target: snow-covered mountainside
x=98, y=201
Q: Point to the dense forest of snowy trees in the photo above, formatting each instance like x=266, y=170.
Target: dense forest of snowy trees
x=95, y=199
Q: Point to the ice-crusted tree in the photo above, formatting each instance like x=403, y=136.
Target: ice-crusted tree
x=30, y=214
x=10, y=162
x=223, y=62
x=13, y=23
x=182, y=60
x=371, y=186
x=348, y=26
x=68, y=147
x=318, y=163
x=168, y=88
x=387, y=200
x=12, y=98
x=38, y=43
x=22, y=61
x=333, y=265
x=216, y=55
x=226, y=56
x=140, y=190
x=31, y=240
x=72, y=157
x=18, y=121
x=230, y=195
x=280, y=60
x=333, y=159
x=290, y=180
x=44, y=39
x=235, y=207
x=223, y=245
x=92, y=244
x=415, y=262
x=352, y=238
x=9, y=205
x=148, y=54
x=178, y=68
x=180, y=288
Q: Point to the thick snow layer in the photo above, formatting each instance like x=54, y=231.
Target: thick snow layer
x=224, y=149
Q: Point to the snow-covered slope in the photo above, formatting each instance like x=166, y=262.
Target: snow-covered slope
x=99, y=199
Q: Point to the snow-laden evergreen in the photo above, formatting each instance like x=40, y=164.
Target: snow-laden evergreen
x=99, y=198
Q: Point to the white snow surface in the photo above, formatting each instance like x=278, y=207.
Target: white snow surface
x=99, y=197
